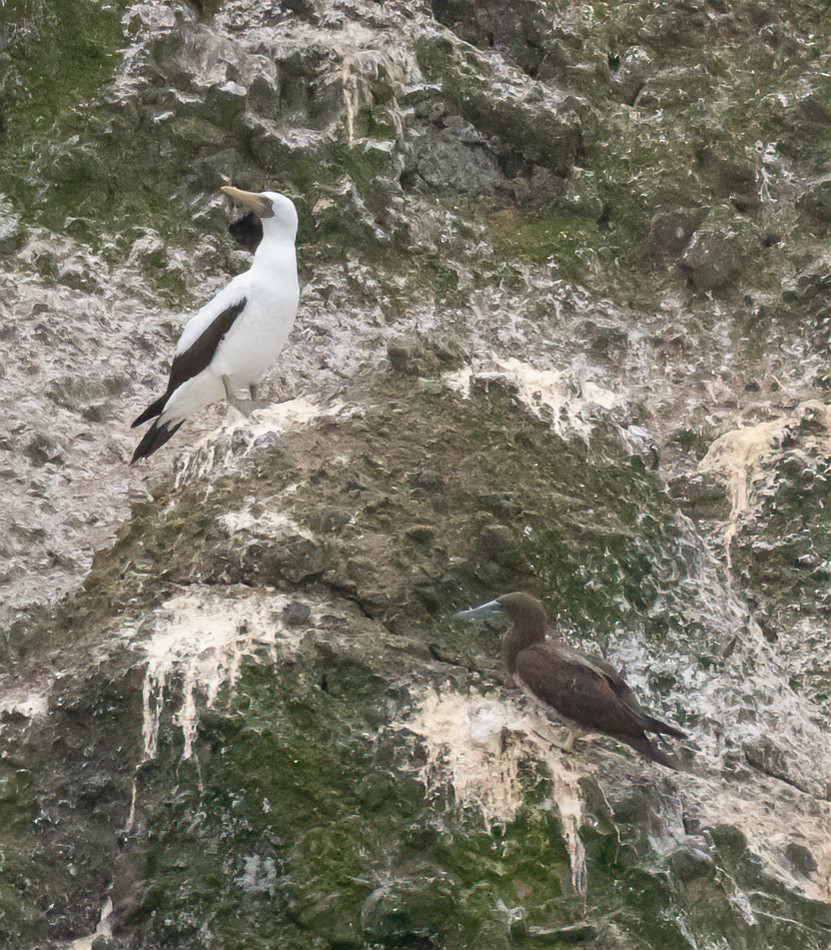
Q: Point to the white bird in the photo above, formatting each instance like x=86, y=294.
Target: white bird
x=233, y=341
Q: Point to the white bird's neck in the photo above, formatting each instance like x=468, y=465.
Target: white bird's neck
x=275, y=256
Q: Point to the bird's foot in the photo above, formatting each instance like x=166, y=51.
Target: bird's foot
x=245, y=406
x=567, y=746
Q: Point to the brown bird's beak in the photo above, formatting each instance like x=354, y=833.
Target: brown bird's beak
x=260, y=205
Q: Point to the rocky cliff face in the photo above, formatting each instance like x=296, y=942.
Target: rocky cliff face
x=565, y=327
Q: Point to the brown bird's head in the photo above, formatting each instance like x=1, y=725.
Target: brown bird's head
x=523, y=609
x=528, y=616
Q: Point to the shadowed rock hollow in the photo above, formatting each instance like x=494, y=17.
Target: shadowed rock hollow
x=564, y=328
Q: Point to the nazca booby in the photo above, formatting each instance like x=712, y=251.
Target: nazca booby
x=235, y=338
x=585, y=691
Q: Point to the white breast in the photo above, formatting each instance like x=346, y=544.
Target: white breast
x=259, y=333
x=249, y=349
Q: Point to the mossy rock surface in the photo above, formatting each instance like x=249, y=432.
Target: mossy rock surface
x=296, y=668
x=591, y=239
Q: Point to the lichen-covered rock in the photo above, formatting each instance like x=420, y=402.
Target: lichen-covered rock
x=10, y=228
x=453, y=163
x=713, y=257
x=776, y=477
x=587, y=240
x=671, y=231
x=346, y=754
x=816, y=199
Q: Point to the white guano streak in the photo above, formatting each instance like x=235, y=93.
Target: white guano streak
x=203, y=639
x=569, y=402
x=475, y=745
x=738, y=457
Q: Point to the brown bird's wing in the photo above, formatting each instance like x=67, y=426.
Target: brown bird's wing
x=598, y=664
x=580, y=689
x=622, y=690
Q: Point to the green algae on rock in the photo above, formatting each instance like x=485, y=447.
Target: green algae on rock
x=282, y=600
x=337, y=781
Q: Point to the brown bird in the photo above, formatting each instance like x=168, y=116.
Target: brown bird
x=585, y=691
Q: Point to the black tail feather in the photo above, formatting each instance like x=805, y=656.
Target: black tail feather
x=656, y=725
x=151, y=411
x=155, y=438
x=652, y=752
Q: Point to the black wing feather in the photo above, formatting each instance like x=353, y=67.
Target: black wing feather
x=194, y=359
x=155, y=438
x=652, y=752
x=154, y=409
x=663, y=728
x=199, y=354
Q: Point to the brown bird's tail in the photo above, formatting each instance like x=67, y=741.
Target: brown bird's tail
x=652, y=752
x=664, y=728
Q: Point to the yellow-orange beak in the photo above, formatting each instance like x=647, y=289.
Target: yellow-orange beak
x=257, y=203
